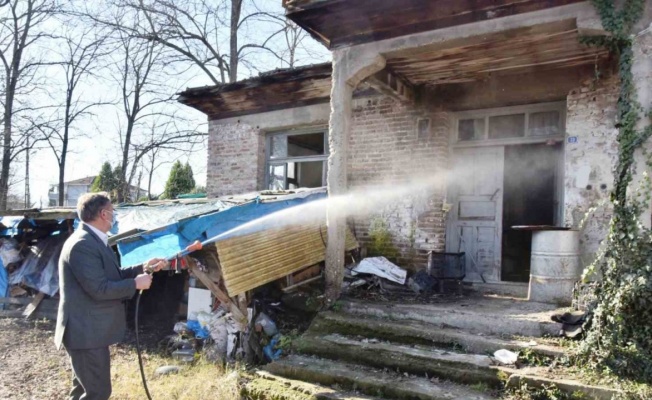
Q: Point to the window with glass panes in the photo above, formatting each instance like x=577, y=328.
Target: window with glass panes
x=531, y=123
x=296, y=159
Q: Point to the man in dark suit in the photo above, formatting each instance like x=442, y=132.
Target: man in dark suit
x=93, y=289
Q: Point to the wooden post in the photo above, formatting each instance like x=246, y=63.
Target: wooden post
x=231, y=305
x=31, y=307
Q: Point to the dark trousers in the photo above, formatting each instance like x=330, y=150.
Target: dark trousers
x=91, y=379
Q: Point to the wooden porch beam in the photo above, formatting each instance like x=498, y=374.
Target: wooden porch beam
x=391, y=85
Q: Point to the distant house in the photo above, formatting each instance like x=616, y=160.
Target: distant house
x=74, y=189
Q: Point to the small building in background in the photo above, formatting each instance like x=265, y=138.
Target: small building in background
x=74, y=189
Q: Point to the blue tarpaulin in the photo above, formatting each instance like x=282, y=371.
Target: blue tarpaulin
x=4, y=282
x=173, y=238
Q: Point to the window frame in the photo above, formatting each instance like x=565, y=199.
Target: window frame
x=283, y=161
x=494, y=112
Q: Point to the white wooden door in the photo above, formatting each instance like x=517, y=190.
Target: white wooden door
x=475, y=219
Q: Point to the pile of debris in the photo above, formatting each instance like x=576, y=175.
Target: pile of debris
x=28, y=274
x=379, y=278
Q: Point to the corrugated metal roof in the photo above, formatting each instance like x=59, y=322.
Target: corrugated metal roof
x=252, y=260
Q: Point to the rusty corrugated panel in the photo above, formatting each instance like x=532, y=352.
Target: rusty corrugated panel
x=250, y=261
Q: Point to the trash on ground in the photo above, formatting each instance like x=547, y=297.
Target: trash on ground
x=271, y=351
x=180, y=327
x=382, y=267
x=422, y=282
x=184, y=355
x=572, y=324
x=167, y=370
x=199, y=331
x=506, y=357
x=10, y=253
x=265, y=323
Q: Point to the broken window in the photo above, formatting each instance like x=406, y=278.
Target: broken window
x=296, y=160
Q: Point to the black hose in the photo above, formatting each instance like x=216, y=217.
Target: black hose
x=140, y=358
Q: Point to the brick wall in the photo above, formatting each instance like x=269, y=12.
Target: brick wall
x=235, y=159
x=386, y=151
x=591, y=151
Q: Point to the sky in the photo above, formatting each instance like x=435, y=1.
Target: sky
x=96, y=139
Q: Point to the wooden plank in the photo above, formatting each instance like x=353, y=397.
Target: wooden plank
x=296, y=285
x=277, y=89
x=543, y=47
x=219, y=294
x=29, y=310
x=345, y=23
x=19, y=301
x=51, y=315
x=388, y=84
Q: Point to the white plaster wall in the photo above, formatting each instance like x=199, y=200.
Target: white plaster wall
x=591, y=151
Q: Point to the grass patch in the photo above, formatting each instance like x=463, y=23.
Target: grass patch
x=201, y=380
x=549, y=392
x=481, y=387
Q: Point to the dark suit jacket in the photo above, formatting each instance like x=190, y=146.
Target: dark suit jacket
x=92, y=290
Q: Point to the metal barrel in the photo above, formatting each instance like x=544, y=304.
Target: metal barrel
x=554, y=266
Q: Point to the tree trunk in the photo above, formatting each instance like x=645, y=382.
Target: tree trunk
x=236, y=8
x=64, y=149
x=62, y=187
x=140, y=177
x=149, y=179
x=6, y=151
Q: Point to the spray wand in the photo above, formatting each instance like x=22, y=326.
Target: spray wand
x=196, y=245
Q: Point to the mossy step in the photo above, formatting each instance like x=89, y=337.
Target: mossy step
x=267, y=386
x=417, y=332
x=486, y=315
x=416, y=359
x=371, y=381
x=469, y=369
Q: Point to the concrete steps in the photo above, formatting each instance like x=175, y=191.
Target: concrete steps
x=267, y=386
x=417, y=332
x=498, y=317
x=415, y=359
x=370, y=381
x=468, y=369
x=423, y=345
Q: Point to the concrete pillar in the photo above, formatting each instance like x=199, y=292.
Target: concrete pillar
x=349, y=68
x=338, y=138
x=642, y=76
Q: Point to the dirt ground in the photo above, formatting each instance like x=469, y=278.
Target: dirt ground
x=31, y=368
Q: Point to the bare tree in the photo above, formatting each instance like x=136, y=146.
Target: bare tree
x=22, y=28
x=81, y=52
x=139, y=96
x=166, y=141
x=198, y=30
x=147, y=102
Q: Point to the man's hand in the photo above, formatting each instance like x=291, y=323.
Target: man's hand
x=143, y=281
x=155, y=265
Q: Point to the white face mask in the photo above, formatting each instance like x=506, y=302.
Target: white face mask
x=114, y=218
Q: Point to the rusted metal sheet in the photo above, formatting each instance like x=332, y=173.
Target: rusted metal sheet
x=270, y=91
x=252, y=260
x=547, y=45
x=341, y=23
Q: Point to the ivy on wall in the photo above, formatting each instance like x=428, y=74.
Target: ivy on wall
x=619, y=339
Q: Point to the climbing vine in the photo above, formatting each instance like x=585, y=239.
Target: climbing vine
x=619, y=339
